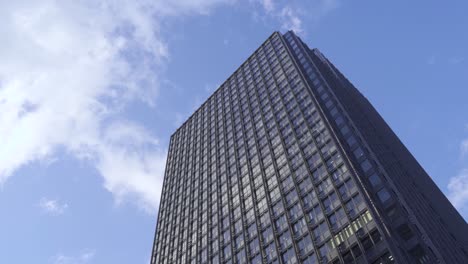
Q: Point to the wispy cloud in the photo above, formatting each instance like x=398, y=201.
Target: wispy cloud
x=456, y=60
x=458, y=185
x=290, y=20
x=85, y=257
x=68, y=71
x=268, y=5
x=458, y=190
x=52, y=206
x=431, y=60
x=293, y=15
x=464, y=148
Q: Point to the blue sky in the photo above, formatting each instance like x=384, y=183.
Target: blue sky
x=90, y=92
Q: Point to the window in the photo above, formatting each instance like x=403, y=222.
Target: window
x=309, y=199
x=289, y=257
x=321, y=232
x=366, y=165
x=275, y=195
x=330, y=202
x=356, y=251
x=383, y=195
x=310, y=260
x=358, y=152
x=319, y=172
x=291, y=198
x=252, y=231
x=295, y=212
x=374, y=179
x=270, y=252
x=281, y=223
x=227, y=236
x=239, y=242
x=254, y=246
x=267, y=235
x=314, y=160
x=264, y=220
x=366, y=243
x=344, y=130
x=257, y=259
x=348, y=258
x=332, y=220
x=278, y=208
x=300, y=227
x=351, y=141
x=305, y=245
x=323, y=250
x=285, y=240
x=405, y=232
x=241, y=257
x=315, y=215
x=375, y=235
x=305, y=186
x=419, y=255
x=325, y=186
x=227, y=252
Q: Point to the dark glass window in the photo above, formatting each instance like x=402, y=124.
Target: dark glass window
x=358, y=152
x=374, y=179
x=366, y=165
x=405, y=232
x=311, y=260
x=383, y=195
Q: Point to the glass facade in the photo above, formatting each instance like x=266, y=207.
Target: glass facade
x=270, y=169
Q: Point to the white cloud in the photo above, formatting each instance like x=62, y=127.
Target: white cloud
x=52, y=206
x=291, y=20
x=85, y=257
x=458, y=190
x=68, y=70
x=135, y=162
x=464, y=147
x=458, y=185
x=268, y=5
x=293, y=14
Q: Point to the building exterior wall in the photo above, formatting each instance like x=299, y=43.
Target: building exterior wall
x=288, y=163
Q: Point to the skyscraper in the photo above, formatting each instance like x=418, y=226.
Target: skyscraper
x=288, y=163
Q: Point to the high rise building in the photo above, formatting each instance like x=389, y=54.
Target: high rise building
x=288, y=163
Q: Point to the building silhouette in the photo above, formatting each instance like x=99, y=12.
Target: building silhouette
x=287, y=162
